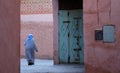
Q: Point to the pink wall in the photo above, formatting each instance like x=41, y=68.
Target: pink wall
x=36, y=6
x=55, y=31
x=101, y=57
x=37, y=18
x=10, y=36
x=42, y=32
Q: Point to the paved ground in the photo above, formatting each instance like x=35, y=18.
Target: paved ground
x=46, y=66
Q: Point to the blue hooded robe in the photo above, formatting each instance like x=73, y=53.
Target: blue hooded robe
x=30, y=48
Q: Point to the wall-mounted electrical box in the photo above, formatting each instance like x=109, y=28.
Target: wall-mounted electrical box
x=98, y=35
x=109, y=33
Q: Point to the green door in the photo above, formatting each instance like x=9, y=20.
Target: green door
x=71, y=36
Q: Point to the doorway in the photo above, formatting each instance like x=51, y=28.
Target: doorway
x=37, y=19
x=70, y=32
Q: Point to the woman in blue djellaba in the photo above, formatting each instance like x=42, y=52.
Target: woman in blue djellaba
x=30, y=49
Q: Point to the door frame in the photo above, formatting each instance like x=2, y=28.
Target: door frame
x=55, y=31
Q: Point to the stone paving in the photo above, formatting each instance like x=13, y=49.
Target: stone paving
x=47, y=66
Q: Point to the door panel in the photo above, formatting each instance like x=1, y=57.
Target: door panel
x=63, y=37
x=76, y=36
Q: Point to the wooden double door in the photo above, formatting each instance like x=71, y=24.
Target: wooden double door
x=71, y=46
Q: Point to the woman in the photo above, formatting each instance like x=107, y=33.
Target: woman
x=30, y=48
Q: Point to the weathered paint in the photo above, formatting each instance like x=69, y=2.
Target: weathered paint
x=76, y=36
x=9, y=36
x=99, y=57
x=70, y=36
x=63, y=37
x=55, y=31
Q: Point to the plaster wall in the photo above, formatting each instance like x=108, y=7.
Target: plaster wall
x=101, y=57
x=10, y=36
x=37, y=18
x=36, y=6
x=55, y=31
x=41, y=26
